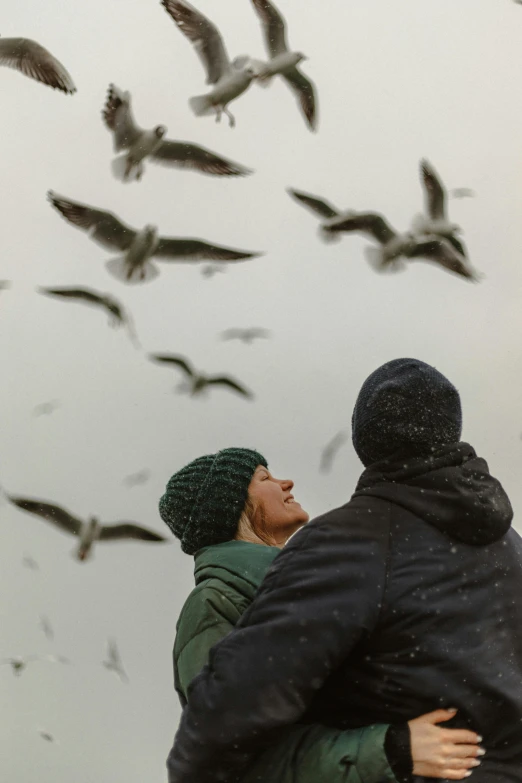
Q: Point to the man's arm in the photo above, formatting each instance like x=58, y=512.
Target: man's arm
x=321, y=596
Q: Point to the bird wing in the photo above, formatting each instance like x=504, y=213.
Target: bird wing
x=273, y=27
x=84, y=294
x=128, y=530
x=458, y=245
x=223, y=380
x=204, y=35
x=118, y=117
x=331, y=449
x=186, y=249
x=317, y=205
x=440, y=250
x=368, y=223
x=103, y=227
x=177, y=361
x=231, y=334
x=55, y=514
x=305, y=92
x=435, y=194
x=191, y=156
x=35, y=61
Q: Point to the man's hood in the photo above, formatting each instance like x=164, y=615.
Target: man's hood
x=452, y=489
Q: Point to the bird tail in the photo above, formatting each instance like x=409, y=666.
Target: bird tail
x=119, y=169
x=375, y=258
x=329, y=236
x=378, y=261
x=201, y=105
x=125, y=273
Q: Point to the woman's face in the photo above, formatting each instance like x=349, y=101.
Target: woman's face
x=273, y=499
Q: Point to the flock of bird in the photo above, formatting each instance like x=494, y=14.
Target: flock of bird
x=139, y=252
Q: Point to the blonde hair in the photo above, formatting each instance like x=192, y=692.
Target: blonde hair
x=252, y=525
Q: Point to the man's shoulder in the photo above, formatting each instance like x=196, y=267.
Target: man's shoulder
x=359, y=511
x=362, y=520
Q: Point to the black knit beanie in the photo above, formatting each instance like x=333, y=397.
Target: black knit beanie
x=204, y=500
x=405, y=408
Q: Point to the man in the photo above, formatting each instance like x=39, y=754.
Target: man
x=405, y=599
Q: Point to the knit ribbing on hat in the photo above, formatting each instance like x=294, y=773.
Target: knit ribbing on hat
x=405, y=407
x=204, y=500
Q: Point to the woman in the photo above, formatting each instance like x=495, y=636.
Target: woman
x=234, y=516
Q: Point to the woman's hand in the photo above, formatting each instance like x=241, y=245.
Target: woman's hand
x=443, y=753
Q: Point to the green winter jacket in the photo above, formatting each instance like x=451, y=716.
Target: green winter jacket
x=227, y=577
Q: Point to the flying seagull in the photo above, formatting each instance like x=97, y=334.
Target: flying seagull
x=229, y=79
x=330, y=450
x=138, y=247
x=18, y=664
x=46, y=408
x=435, y=220
x=135, y=479
x=196, y=382
x=246, y=336
x=332, y=216
x=463, y=192
x=46, y=736
x=87, y=532
x=46, y=627
x=117, y=314
x=113, y=661
x=30, y=562
x=394, y=246
x=141, y=144
x=283, y=61
x=33, y=60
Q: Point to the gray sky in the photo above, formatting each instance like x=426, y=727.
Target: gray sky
x=396, y=81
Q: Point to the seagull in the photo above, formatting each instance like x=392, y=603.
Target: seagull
x=114, y=662
x=196, y=382
x=88, y=532
x=30, y=562
x=283, y=61
x=246, y=336
x=141, y=477
x=332, y=216
x=229, y=79
x=46, y=627
x=46, y=736
x=117, y=314
x=436, y=221
x=151, y=144
x=19, y=664
x=393, y=246
x=463, y=192
x=46, y=408
x=330, y=450
x=35, y=61
x=138, y=247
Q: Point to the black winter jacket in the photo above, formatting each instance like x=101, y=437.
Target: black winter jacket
x=406, y=599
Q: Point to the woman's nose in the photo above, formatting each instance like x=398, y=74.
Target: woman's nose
x=287, y=484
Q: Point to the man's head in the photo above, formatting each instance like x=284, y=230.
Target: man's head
x=405, y=408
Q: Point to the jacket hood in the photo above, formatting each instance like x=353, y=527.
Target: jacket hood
x=452, y=490
x=234, y=560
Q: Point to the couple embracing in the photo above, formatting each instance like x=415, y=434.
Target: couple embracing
x=383, y=642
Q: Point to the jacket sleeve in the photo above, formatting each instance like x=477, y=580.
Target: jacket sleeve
x=320, y=598
x=217, y=615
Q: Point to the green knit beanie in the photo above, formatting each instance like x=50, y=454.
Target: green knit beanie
x=203, y=501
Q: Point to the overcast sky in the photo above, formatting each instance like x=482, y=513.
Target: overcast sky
x=397, y=81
